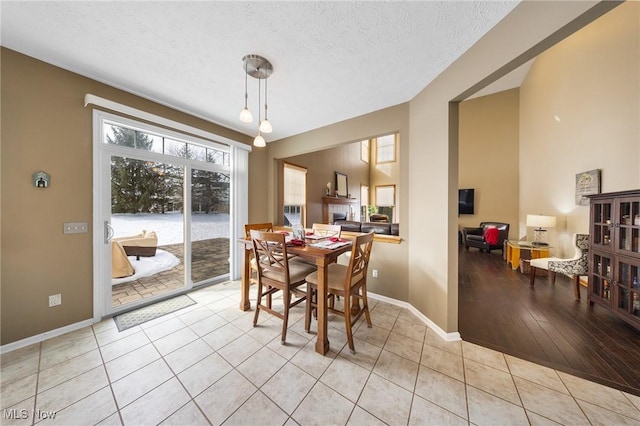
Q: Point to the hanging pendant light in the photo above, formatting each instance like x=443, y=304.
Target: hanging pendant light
x=259, y=68
x=259, y=140
x=245, y=114
x=265, y=125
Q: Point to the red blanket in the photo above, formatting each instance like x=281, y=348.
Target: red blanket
x=491, y=236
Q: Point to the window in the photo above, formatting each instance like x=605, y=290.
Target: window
x=386, y=149
x=386, y=200
x=295, y=195
x=118, y=134
x=364, y=150
x=364, y=202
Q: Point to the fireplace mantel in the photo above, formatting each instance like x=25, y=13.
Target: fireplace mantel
x=329, y=201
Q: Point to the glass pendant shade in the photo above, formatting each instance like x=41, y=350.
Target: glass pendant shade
x=245, y=115
x=265, y=126
x=259, y=141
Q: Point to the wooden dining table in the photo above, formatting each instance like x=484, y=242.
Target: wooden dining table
x=322, y=258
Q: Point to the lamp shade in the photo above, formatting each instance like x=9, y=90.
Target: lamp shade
x=540, y=221
x=259, y=141
x=265, y=126
x=245, y=115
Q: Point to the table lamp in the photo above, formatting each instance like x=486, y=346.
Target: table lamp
x=540, y=222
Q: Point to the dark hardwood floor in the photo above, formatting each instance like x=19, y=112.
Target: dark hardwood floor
x=498, y=309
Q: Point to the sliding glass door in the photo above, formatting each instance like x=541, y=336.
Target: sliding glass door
x=210, y=230
x=147, y=221
x=165, y=207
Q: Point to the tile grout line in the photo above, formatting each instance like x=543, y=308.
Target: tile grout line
x=110, y=384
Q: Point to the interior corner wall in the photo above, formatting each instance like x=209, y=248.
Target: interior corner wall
x=579, y=111
x=488, y=155
x=433, y=145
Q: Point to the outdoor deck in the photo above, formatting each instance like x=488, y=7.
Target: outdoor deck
x=210, y=259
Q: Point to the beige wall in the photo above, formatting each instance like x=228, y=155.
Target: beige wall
x=46, y=127
x=321, y=167
x=580, y=110
x=389, y=259
x=488, y=158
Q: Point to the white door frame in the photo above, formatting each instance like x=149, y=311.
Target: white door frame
x=102, y=201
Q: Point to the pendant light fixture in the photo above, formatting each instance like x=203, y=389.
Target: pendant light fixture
x=265, y=125
x=260, y=68
x=245, y=114
x=259, y=140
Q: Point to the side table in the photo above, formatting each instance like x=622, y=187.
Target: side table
x=526, y=251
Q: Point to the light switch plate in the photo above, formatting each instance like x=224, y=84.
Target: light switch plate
x=76, y=227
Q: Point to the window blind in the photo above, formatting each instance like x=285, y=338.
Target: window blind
x=386, y=149
x=385, y=196
x=295, y=185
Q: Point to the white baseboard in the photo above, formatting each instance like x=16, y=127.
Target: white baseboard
x=44, y=336
x=449, y=337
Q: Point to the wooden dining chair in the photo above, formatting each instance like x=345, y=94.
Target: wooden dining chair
x=325, y=230
x=276, y=273
x=265, y=227
x=347, y=281
x=328, y=231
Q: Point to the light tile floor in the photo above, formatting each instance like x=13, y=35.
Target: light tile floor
x=206, y=364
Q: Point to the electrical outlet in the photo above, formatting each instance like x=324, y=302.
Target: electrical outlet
x=55, y=300
x=374, y=273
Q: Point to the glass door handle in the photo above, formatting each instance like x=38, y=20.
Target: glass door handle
x=108, y=232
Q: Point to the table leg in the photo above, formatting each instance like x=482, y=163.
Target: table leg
x=322, y=343
x=515, y=258
x=245, y=304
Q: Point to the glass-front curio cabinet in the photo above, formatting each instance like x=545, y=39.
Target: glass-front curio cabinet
x=614, y=254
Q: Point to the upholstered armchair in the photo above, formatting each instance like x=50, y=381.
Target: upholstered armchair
x=573, y=267
x=488, y=236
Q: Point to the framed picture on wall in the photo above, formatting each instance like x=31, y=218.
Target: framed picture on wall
x=342, y=188
x=587, y=183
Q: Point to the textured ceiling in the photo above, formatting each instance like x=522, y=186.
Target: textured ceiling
x=332, y=60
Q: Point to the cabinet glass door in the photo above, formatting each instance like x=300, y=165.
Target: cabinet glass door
x=601, y=285
x=628, y=287
x=629, y=226
x=602, y=212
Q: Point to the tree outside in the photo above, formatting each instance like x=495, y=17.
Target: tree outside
x=148, y=187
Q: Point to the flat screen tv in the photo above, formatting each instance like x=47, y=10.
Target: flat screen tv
x=465, y=201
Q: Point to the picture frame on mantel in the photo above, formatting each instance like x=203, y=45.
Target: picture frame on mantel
x=587, y=183
x=342, y=187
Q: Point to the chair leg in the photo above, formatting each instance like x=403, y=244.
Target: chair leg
x=576, y=283
x=286, y=295
x=347, y=323
x=553, y=277
x=532, y=278
x=308, y=307
x=365, y=305
x=258, y=304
